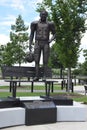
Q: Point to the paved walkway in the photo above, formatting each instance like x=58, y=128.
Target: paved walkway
x=79, y=89
x=54, y=126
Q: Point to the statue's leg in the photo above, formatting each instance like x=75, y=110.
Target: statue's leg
x=37, y=52
x=46, y=52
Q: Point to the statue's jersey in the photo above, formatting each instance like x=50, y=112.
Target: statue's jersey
x=42, y=30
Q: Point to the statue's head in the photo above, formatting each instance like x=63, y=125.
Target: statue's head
x=43, y=15
x=43, y=12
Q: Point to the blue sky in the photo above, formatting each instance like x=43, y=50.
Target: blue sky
x=9, y=11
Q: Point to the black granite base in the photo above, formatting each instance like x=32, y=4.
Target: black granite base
x=59, y=100
x=9, y=102
x=15, y=102
x=40, y=112
x=37, y=111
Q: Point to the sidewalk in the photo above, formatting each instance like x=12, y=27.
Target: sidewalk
x=79, y=89
x=54, y=126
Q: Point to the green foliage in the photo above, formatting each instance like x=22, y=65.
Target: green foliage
x=2, y=47
x=77, y=72
x=8, y=58
x=14, y=51
x=81, y=70
x=83, y=67
x=19, y=25
x=85, y=54
x=54, y=59
x=69, y=18
x=19, y=38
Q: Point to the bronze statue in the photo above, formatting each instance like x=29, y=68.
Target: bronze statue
x=41, y=31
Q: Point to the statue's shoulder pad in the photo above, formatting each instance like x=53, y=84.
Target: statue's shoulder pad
x=34, y=23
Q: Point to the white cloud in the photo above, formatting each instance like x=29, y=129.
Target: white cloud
x=33, y=3
x=7, y=21
x=3, y=2
x=10, y=17
x=4, y=39
x=36, y=1
x=18, y=4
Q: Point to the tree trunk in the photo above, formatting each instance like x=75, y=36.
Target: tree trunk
x=69, y=82
x=61, y=73
x=19, y=77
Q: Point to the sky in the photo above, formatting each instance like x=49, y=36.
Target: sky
x=9, y=11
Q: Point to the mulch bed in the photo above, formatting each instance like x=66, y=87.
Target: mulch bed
x=69, y=95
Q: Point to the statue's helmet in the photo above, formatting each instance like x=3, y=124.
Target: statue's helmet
x=43, y=12
x=29, y=57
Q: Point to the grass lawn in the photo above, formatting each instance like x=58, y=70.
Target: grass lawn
x=74, y=96
x=19, y=94
x=28, y=87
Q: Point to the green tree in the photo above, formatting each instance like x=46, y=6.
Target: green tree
x=69, y=17
x=85, y=54
x=78, y=70
x=2, y=48
x=84, y=64
x=19, y=39
x=54, y=61
x=8, y=55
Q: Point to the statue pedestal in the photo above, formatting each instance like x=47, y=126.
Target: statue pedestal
x=40, y=112
x=36, y=110
x=59, y=100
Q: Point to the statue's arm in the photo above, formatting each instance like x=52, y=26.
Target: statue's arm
x=32, y=30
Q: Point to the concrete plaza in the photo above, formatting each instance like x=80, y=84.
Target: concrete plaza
x=54, y=126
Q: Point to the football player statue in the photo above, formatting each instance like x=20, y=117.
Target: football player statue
x=41, y=31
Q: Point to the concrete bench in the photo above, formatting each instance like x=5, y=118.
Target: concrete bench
x=12, y=116
x=77, y=112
